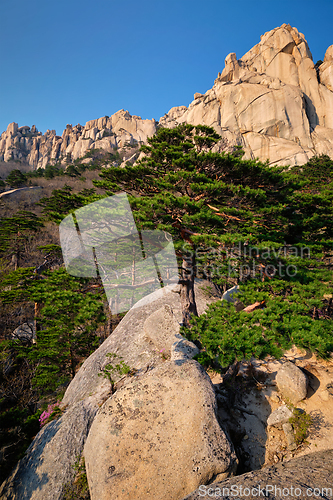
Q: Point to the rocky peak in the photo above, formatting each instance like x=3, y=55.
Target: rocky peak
x=106, y=133
x=273, y=101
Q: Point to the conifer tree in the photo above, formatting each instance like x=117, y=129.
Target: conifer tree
x=226, y=211
x=180, y=185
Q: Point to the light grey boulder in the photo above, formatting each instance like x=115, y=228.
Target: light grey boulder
x=138, y=339
x=306, y=476
x=291, y=382
x=183, y=349
x=161, y=329
x=229, y=295
x=280, y=416
x=158, y=437
x=48, y=464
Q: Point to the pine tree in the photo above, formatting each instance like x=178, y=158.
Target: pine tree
x=174, y=186
x=223, y=213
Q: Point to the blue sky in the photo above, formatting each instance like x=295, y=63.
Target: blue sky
x=73, y=61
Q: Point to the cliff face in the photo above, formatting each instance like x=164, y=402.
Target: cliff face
x=105, y=133
x=274, y=102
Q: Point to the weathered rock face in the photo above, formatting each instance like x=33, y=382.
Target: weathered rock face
x=161, y=330
x=158, y=436
x=48, y=464
x=272, y=102
x=138, y=339
x=145, y=331
x=289, y=479
x=106, y=133
x=326, y=69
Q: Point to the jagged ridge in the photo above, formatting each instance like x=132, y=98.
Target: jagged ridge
x=274, y=102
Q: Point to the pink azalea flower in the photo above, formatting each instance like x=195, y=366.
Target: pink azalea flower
x=47, y=413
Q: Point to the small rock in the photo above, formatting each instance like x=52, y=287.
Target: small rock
x=239, y=306
x=229, y=294
x=183, y=349
x=25, y=332
x=216, y=378
x=291, y=382
x=280, y=416
x=289, y=433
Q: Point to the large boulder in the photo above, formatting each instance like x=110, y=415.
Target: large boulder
x=148, y=328
x=146, y=336
x=307, y=476
x=48, y=464
x=158, y=437
x=291, y=382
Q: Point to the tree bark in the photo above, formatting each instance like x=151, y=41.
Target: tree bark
x=187, y=295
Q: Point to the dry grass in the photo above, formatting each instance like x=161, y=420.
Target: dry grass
x=7, y=166
x=26, y=200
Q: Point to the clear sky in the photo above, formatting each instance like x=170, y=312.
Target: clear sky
x=70, y=61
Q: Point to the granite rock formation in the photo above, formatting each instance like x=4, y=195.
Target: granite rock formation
x=274, y=102
x=158, y=436
x=108, y=133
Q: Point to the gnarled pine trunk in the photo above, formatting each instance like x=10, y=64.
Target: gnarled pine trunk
x=187, y=295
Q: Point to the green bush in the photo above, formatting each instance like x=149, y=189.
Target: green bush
x=301, y=422
x=79, y=489
x=111, y=370
x=17, y=179
x=285, y=319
